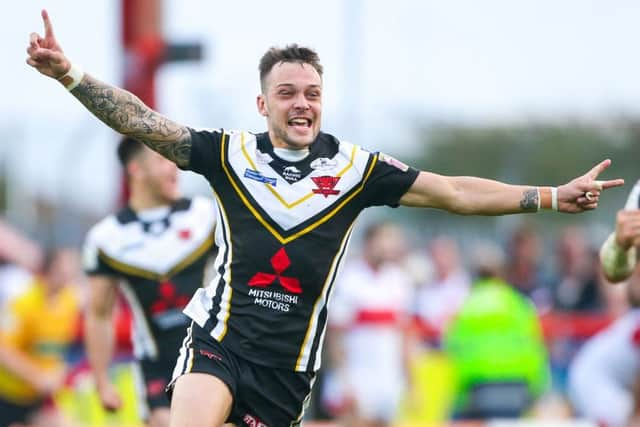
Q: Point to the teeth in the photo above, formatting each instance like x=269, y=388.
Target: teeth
x=299, y=122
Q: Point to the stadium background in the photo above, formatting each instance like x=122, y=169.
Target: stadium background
x=530, y=92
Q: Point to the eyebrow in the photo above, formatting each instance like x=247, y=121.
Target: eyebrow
x=292, y=85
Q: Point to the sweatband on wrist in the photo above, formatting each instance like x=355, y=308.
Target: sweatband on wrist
x=618, y=263
x=72, y=78
x=548, y=198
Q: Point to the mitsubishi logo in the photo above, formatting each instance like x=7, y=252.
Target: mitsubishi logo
x=168, y=298
x=280, y=262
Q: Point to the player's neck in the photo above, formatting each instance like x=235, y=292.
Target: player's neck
x=144, y=200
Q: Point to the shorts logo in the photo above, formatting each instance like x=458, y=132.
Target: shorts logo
x=156, y=387
x=210, y=355
x=326, y=185
x=280, y=262
x=257, y=176
x=252, y=421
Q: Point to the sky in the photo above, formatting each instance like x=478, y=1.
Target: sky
x=387, y=64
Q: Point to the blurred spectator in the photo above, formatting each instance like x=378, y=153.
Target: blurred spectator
x=524, y=269
x=19, y=258
x=439, y=300
x=18, y=249
x=369, y=332
x=575, y=286
x=35, y=332
x=604, y=375
x=496, y=345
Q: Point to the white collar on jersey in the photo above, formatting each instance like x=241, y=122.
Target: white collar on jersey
x=153, y=214
x=291, y=155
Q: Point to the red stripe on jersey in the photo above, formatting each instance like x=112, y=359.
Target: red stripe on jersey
x=376, y=317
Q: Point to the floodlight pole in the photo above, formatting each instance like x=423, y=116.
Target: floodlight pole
x=145, y=50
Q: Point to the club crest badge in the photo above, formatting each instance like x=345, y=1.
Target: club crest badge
x=326, y=185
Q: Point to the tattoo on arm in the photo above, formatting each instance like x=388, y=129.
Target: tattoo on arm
x=127, y=114
x=529, y=200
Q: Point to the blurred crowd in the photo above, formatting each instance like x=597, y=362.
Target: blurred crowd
x=446, y=330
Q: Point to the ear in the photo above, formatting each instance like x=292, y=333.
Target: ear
x=261, y=103
x=133, y=168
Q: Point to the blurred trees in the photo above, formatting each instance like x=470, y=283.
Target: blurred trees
x=527, y=153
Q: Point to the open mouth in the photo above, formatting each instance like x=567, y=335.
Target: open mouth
x=300, y=122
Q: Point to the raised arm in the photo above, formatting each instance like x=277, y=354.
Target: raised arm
x=121, y=110
x=477, y=196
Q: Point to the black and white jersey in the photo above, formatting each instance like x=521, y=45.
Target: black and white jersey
x=283, y=229
x=160, y=257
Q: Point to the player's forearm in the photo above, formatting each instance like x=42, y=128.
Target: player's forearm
x=19, y=365
x=617, y=262
x=127, y=114
x=479, y=196
x=99, y=345
x=466, y=195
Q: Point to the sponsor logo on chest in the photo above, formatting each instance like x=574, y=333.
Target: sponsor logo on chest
x=291, y=174
x=257, y=176
x=323, y=164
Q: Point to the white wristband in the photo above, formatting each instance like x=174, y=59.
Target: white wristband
x=554, y=198
x=72, y=78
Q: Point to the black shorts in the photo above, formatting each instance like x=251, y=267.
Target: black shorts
x=262, y=396
x=156, y=375
x=14, y=413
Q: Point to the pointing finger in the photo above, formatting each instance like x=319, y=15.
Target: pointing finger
x=612, y=183
x=599, y=168
x=48, y=28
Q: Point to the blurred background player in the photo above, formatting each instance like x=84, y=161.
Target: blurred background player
x=369, y=334
x=496, y=345
x=438, y=300
x=36, y=330
x=612, y=358
x=603, y=377
x=158, y=249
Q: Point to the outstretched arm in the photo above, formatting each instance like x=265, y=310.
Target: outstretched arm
x=121, y=110
x=477, y=196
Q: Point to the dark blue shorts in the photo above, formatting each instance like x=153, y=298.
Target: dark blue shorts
x=262, y=396
x=14, y=413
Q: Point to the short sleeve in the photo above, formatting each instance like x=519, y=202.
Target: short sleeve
x=205, y=152
x=390, y=179
x=92, y=264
